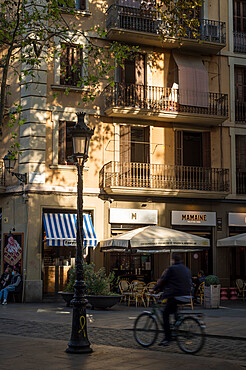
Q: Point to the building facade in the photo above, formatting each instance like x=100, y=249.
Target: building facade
x=168, y=148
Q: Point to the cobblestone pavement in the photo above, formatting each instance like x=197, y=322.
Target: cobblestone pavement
x=214, y=347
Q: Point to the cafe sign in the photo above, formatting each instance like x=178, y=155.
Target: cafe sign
x=133, y=216
x=237, y=219
x=193, y=218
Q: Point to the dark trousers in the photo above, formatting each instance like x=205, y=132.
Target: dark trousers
x=170, y=308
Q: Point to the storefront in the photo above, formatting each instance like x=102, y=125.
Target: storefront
x=138, y=253
x=59, y=247
x=236, y=243
x=200, y=224
x=130, y=265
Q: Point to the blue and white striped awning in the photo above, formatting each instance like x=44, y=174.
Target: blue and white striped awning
x=61, y=229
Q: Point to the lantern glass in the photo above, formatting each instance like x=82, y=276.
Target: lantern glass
x=79, y=145
x=9, y=163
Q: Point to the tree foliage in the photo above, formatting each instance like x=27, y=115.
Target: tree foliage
x=28, y=29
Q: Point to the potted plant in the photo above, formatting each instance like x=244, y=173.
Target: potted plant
x=99, y=287
x=212, y=292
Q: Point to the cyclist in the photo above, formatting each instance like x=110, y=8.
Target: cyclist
x=176, y=285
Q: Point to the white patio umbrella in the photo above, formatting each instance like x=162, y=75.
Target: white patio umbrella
x=233, y=241
x=153, y=239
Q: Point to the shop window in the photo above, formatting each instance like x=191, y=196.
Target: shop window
x=65, y=144
x=71, y=65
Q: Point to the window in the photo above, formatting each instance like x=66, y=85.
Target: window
x=240, y=15
x=77, y=4
x=241, y=164
x=65, y=143
x=193, y=149
x=71, y=65
x=240, y=94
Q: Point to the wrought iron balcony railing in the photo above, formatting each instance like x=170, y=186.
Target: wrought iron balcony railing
x=163, y=177
x=156, y=98
x=240, y=111
x=239, y=42
x=141, y=20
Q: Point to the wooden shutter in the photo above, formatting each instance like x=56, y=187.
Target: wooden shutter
x=206, y=150
x=62, y=143
x=239, y=83
x=63, y=65
x=140, y=69
x=179, y=148
x=146, y=145
x=241, y=152
x=125, y=143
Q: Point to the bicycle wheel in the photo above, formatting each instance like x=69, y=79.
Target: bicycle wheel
x=145, y=329
x=190, y=335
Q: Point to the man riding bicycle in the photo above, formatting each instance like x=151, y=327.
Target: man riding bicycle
x=176, y=285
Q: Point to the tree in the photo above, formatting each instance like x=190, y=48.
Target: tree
x=28, y=29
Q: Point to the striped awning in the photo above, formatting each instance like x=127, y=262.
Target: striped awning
x=61, y=229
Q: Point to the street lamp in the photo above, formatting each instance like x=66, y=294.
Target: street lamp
x=79, y=343
x=9, y=163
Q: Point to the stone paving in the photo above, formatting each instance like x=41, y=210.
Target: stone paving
x=112, y=329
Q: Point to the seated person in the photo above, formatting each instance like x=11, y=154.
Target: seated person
x=199, y=280
x=5, y=278
x=15, y=282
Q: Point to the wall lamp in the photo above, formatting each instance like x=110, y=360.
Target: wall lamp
x=9, y=163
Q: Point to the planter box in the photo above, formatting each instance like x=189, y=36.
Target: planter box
x=99, y=301
x=212, y=296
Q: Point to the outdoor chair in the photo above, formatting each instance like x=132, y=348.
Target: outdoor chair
x=125, y=290
x=148, y=293
x=137, y=292
x=241, y=287
x=200, y=293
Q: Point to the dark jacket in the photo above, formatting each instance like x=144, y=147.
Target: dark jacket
x=175, y=282
x=5, y=280
x=16, y=281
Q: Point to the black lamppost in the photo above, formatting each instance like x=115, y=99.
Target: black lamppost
x=79, y=342
x=9, y=163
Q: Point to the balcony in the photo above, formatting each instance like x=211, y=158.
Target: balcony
x=240, y=111
x=135, y=25
x=164, y=180
x=239, y=42
x=162, y=104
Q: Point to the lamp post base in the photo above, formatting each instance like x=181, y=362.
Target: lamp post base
x=75, y=348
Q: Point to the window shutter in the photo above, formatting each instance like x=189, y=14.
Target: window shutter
x=62, y=143
x=241, y=152
x=139, y=69
x=146, y=145
x=206, y=150
x=125, y=143
x=239, y=80
x=179, y=148
x=63, y=65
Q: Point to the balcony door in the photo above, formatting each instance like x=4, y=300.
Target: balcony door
x=133, y=79
x=241, y=164
x=193, y=153
x=134, y=155
x=240, y=94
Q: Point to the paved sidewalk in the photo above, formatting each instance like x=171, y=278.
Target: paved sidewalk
x=39, y=334
x=32, y=353
x=229, y=320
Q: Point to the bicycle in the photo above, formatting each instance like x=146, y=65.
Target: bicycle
x=187, y=330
